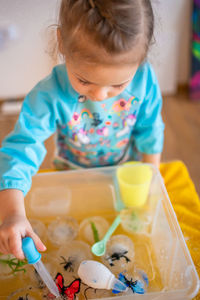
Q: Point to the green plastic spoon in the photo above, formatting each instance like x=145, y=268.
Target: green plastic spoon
x=99, y=248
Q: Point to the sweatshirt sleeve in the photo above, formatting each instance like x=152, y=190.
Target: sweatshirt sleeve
x=23, y=149
x=149, y=128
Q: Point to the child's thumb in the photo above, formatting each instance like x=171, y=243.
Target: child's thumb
x=37, y=241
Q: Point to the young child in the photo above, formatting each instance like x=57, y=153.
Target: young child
x=104, y=103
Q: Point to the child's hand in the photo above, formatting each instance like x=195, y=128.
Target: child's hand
x=12, y=230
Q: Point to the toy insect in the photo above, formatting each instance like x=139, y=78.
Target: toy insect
x=136, y=286
x=68, y=292
x=22, y=298
x=68, y=264
x=117, y=256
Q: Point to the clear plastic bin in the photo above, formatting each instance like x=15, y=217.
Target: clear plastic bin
x=160, y=248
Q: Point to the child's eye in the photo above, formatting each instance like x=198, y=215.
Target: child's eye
x=83, y=82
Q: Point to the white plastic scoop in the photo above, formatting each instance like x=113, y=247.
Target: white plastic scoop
x=98, y=276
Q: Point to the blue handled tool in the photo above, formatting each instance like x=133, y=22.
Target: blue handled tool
x=34, y=258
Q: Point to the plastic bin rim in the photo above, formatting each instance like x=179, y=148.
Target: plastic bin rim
x=196, y=282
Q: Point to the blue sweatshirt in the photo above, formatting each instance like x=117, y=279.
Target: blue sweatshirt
x=89, y=134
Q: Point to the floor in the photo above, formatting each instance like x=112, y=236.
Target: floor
x=182, y=134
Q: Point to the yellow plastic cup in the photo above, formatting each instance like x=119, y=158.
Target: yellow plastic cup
x=134, y=182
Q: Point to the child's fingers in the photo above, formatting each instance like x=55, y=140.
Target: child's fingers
x=4, y=243
x=37, y=241
x=15, y=246
x=5, y=246
x=3, y=249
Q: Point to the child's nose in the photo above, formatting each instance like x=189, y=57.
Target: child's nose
x=99, y=93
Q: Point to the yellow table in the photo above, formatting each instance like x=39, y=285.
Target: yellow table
x=186, y=204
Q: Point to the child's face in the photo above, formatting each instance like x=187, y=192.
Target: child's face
x=99, y=82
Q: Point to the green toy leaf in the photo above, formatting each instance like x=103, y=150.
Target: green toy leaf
x=14, y=264
x=95, y=232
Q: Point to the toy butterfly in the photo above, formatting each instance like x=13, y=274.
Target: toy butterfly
x=136, y=286
x=69, y=292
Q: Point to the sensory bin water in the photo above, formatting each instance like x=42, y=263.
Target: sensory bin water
x=70, y=210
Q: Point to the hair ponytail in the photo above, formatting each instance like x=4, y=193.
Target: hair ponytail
x=114, y=25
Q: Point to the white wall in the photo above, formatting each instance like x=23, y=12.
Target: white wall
x=170, y=55
x=24, y=61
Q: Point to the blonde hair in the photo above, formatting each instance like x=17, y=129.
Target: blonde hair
x=116, y=26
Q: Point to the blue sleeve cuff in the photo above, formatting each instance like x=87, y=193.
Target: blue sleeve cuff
x=11, y=184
